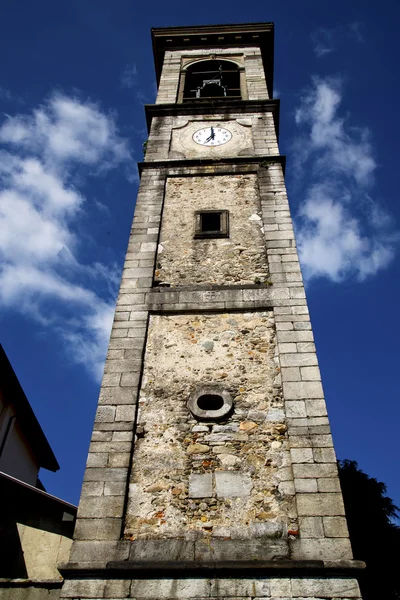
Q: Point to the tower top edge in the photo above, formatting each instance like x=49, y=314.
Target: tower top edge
x=223, y=28
x=215, y=36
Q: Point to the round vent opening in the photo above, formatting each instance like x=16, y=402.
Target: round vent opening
x=210, y=402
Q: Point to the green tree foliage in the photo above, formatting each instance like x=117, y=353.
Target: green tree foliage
x=375, y=538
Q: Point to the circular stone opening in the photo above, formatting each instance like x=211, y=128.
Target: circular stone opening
x=210, y=402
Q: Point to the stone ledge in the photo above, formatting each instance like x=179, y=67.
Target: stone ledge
x=174, y=299
x=236, y=569
x=26, y=583
x=178, y=550
x=232, y=165
x=267, y=294
x=210, y=286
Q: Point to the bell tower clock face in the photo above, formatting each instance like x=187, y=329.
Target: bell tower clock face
x=212, y=136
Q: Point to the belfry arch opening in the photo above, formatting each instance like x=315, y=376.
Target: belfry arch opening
x=211, y=80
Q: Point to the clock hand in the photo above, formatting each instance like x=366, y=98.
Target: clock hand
x=211, y=136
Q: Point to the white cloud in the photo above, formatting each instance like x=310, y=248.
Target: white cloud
x=129, y=79
x=88, y=344
x=6, y=96
x=129, y=76
x=331, y=239
x=327, y=40
x=355, y=32
x=41, y=273
x=67, y=130
x=342, y=231
x=342, y=148
x=323, y=41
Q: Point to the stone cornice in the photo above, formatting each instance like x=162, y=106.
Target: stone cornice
x=211, y=108
x=237, y=568
x=257, y=161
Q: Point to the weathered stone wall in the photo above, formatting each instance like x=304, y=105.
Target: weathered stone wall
x=254, y=134
x=240, y=258
x=322, y=525
x=228, y=478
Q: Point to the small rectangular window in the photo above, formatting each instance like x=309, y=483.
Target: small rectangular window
x=211, y=224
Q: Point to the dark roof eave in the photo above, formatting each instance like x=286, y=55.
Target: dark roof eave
x=38, y=493
x=23, y=503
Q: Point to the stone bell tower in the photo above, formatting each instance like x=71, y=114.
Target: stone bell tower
x=211, y=471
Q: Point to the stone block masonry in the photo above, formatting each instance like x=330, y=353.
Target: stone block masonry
x=247, y=452
x=177, y=503
x=306, y=443
x=239, y=258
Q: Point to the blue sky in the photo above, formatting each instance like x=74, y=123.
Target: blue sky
x=73, y=81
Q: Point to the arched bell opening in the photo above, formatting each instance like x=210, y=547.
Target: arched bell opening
x=212, y=79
